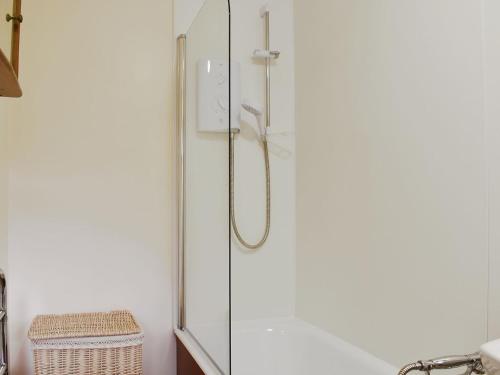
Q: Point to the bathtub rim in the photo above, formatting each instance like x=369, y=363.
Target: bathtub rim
x=193, y=347
x=293, y=323
x=287, y=323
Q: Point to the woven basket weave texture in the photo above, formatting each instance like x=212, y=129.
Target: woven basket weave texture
x=87, y=344
x=83, y=325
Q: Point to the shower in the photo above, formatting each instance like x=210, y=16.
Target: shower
x=254, y=109
x=267, y=55
x=377, y=142
x=258, y=116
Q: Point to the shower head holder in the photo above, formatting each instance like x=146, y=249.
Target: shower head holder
x=266, y=54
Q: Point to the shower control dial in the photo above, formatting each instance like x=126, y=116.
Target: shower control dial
x=223, y=103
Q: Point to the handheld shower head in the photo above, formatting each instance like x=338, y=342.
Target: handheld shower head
x=255, y=110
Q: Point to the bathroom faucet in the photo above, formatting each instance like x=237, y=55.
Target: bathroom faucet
x=472, y=361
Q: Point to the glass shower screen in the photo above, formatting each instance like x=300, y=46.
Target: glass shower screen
x=206, y=243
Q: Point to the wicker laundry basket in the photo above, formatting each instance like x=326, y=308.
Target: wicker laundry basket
x=87, y=344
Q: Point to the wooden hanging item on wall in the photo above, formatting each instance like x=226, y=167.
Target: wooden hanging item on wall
x=9, y=70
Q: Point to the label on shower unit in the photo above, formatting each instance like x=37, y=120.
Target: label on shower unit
x=213, y=95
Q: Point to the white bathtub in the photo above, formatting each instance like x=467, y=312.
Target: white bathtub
x=290, y=346
x=293, y=347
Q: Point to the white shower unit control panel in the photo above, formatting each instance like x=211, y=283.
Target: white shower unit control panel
x=213, y=95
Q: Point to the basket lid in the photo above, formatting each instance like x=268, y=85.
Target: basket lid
x=112, y=323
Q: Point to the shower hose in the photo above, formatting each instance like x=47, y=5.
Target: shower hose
x=268, y=197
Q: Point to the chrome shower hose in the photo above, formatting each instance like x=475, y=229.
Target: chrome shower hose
x=268, y=198
x=472, y=361
x=411, y=367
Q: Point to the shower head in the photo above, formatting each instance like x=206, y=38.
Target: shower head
x=255, y=110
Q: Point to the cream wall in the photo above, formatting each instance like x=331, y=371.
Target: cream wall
x=491, y=31
x=89, y=154
x=185, y=12
x=5, y=28
x=257, y=292
x=3, y=186
x=390, y=87
x=392, y=208
x=5, y=7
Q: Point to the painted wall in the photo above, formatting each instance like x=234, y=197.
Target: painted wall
x=491, y=29
x=5, y=47
x=3, y=186
x=383, y=89
x=257, y=292
x=391, y=176
x=5, y=27
x=5, y=7
x=89, y=153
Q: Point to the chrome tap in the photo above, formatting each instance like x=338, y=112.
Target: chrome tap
x=471, y=361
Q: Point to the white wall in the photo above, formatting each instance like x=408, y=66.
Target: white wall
x=89, y=151
x=391, y=176
x=390, y=111
x=257, y=292
x=3, y=185
x=5, y=7
x=185, y=12
x=491, y=28
x=5, y=29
